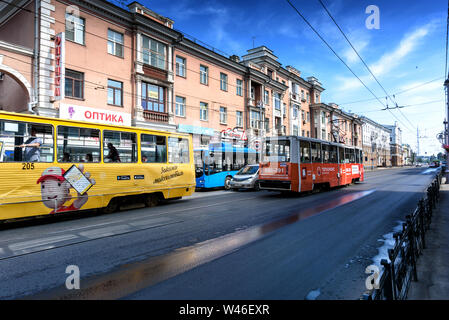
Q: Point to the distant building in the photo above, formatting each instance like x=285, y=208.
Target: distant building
x=396, y=145
x=376, y=144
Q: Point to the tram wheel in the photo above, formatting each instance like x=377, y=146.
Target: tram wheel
x=112, y=206
x=151, y=200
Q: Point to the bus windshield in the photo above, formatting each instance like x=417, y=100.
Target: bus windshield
x=199, y=165
x=277, y=150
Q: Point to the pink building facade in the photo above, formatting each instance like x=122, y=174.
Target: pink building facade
x=94, y=61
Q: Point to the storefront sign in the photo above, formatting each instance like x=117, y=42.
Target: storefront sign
x=235, y=133
x=74, y=112
x=187, y=128
x=59, y=66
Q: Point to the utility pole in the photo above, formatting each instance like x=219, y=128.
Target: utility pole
x=417, y=140
x=446, y=127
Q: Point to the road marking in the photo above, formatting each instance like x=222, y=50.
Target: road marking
x=152, y=221
x=104, y=232
x=20, y=246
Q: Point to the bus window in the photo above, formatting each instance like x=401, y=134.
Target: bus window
x=119, y=146
x=153, y=148
x=78, y=144
x=178, y=150
x=316, y=152
x=305, y=151
x=25, y=142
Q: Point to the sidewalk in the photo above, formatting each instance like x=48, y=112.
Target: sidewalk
x=433, y=264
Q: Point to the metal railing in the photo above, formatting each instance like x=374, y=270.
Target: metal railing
x=397, y=273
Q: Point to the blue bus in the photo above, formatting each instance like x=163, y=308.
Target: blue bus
x=215, y=166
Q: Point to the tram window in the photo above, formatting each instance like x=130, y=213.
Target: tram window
x=357, y=156
x=341, y=154
x=78, y=144
x=316, y=152
x=333, y=158
x=178, y=150
x=305, y=151
x=14, y=136
x=119, y=146
x=153, y=148
x=277, y=150
x=326, y=153
x=361, y=156
x=349, y=155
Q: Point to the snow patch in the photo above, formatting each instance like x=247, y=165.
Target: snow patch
x=389, y=242
x=312, y=295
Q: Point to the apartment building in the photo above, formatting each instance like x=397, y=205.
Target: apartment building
x=376, y=144
x=94, y=61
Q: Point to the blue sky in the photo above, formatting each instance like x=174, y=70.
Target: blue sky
x=407, y=50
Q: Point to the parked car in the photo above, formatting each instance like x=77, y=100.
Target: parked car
x=246, y=178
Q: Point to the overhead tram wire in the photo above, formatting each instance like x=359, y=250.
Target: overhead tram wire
x=364, y=63
x=396, y=93
x=335, y=53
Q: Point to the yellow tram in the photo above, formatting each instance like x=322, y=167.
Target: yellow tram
x=50, y=165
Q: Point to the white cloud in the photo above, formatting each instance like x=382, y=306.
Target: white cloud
x=391, y=59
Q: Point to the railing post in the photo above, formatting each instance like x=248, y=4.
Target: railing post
x=387, y=288
x=421, y=213
x=392, y=273
x=413, y=252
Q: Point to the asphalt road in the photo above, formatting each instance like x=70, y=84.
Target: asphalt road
x=215, y=245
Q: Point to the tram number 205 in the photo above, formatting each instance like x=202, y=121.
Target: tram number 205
x=27, y=166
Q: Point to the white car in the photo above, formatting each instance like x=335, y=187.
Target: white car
x=246, y=178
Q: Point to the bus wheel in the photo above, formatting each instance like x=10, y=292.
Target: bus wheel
x=151, y=200
x=227, y=183
x=112, y=206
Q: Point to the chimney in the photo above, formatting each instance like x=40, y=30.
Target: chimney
x=235, y=58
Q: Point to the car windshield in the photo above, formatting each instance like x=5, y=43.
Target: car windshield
x=248, y=170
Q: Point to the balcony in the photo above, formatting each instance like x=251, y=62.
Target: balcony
x=155, y=116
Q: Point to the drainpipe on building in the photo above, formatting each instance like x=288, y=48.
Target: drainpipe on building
x=32, y=105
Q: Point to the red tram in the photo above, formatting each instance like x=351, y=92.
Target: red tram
x=298, y=164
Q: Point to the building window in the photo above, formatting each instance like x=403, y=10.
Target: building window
x=308, y=134
x=323, y=117
x=204, y=112
x=308, y=116
x=153, y=97
x=295, y=130
x=115, y=43
x=223, y=82
x=308, y=97
x=223, y=115
x=323, y=134
x=239, y=87
x=239, y=119
x=303, y=133
x=204, y=74
x=255, y=119
x=277, y=101
x=180, y=108
x=267, y=124
x=180, y=66
x=115, y=93
x=74, y=84
x=266, y=97
x=153, y=52
x=74, y=28
x=317, y=98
